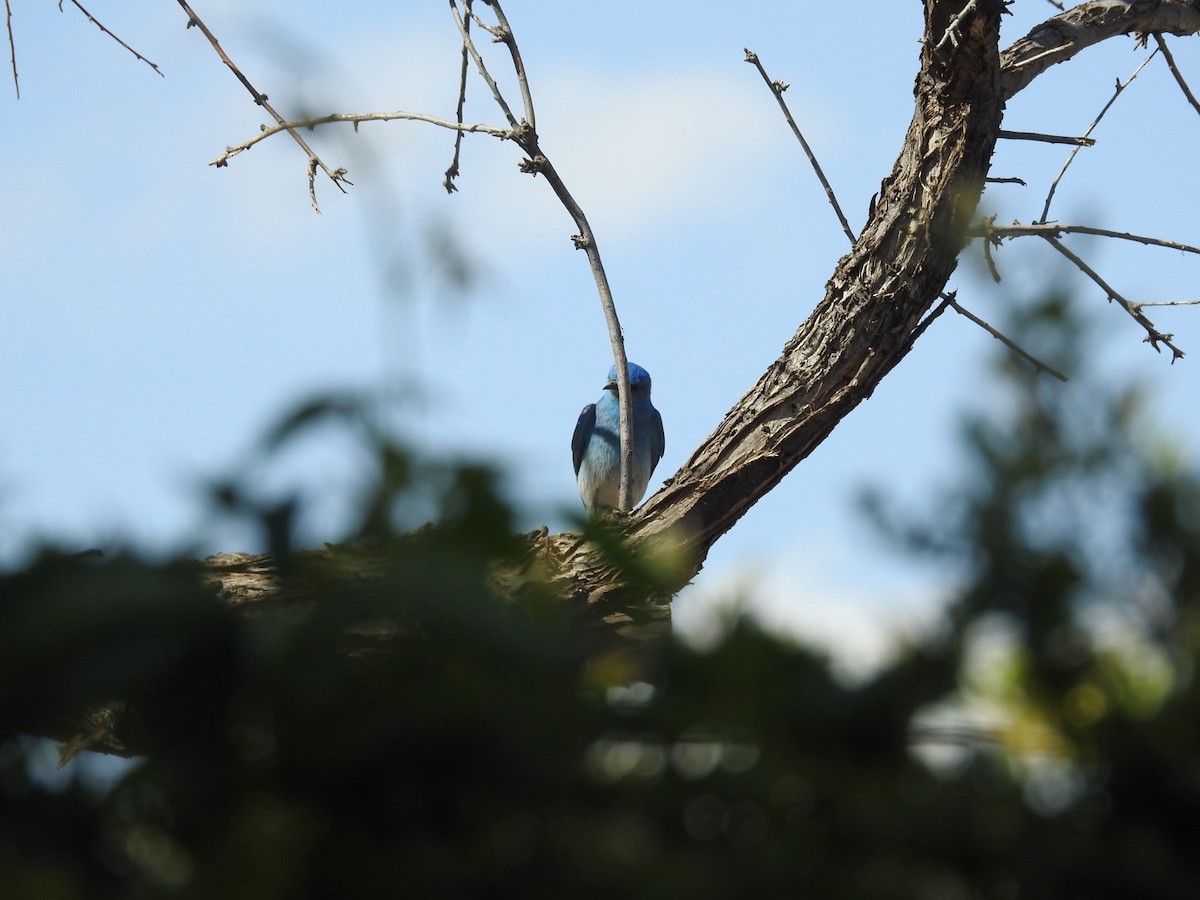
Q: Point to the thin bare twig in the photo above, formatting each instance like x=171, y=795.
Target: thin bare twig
x=777, y=88
x=994, y=234
x=452, y=170
x=355, y=119
x=505, y=36
x=1014, y=180
x=1045, y=138
x=12, y=47
x=1183, y=85
x=993, y=269
x=100, y=25
x=1071, y=158
x=1166, y=303
x=480, y=65
x=337, y=176
x=952, y=301
x=927, y=321
x=1154, y=337
x=1057, y=5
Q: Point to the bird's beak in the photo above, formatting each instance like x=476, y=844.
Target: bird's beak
x=611, y=386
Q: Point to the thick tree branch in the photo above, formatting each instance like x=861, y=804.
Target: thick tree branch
x=1060, y=38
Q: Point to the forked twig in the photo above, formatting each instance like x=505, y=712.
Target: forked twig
x=337, y=176
x=1154, y=337
x=1071, y=158
x=777, y=88
x=100, y=25
x=1183, y=85
x=1045, y=138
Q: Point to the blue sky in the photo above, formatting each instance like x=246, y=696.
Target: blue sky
x=159, y=313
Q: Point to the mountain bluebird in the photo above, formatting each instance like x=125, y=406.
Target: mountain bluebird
x=594, y=447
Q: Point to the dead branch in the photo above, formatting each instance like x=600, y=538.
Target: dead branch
x=337, y=176
x=996, y=234
x=1062, y=37
x=1166, y=303
x=952, y=301
x=1046, y=138
x=777, y=89
x=480, y=65
x=452, y=170
x=1170, y=60
x=1154, y=337
x=504, y=34
x=1071, y=158
x=100, y=25
x=951, y=33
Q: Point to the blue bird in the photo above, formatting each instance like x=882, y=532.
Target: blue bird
x=594, y=447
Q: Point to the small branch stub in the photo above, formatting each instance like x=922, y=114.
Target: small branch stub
x=532, y=165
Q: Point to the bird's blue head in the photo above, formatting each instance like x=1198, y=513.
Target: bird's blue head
x=638, y=378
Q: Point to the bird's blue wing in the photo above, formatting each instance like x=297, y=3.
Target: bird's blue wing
x=658, y=440
x=583, y=433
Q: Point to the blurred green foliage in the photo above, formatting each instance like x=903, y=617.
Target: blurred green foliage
x=415, y=735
